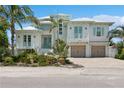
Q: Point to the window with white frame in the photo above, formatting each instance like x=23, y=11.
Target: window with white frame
x=27, y=40
x=98, y=31
x=78, y=32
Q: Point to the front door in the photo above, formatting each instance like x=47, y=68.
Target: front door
x=46, y=41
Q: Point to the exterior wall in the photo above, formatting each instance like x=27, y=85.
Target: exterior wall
x=70, y=32
x=97, y=38
x=36, y=42
x=19, y=39
x=112, y=51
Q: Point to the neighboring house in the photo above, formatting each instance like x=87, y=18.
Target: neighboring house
x=85, y=37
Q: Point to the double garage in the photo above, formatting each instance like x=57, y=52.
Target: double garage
x=80, y=51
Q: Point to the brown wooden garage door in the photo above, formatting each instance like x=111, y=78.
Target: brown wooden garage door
x=98, y=51
x=78, y=51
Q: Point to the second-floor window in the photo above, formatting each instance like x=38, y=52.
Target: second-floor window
x=98, y=31
x=78, y=32
x=27, y=40
x=60, y=28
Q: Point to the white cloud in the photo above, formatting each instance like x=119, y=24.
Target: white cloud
x=119, y=20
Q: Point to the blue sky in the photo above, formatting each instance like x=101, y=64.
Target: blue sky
x=78, y=10
x=113, y=13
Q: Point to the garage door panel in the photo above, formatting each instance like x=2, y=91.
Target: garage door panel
x=98, y=51
x=78, y=51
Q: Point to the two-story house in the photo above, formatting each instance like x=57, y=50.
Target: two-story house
x=85, y=37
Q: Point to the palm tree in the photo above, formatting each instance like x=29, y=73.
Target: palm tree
x=3, y=34
x=117, y=32
x=16, y=15
x=54, y=24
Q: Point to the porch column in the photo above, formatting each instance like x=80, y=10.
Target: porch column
x=107, y=51
x=88, y=50
x=69, y=51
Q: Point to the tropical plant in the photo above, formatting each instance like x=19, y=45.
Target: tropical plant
x=8, y=61
x=60, y=48
x=42, y=60
x=117, y=32
x=120, y=47
x=121, y=55
x=16, y=14
x=3, y=33
x=31, y=58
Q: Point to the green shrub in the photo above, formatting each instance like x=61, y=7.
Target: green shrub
x=31, y=58
x=117, y=56
x=28, y=56
x=120, y=47
x=4, y=52
x=51, y=59
x=1, y=53
x=8, y=61
x=121, y=55
x=42, y=60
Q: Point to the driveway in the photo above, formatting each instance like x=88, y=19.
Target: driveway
x=100, y=66
x=99, y=62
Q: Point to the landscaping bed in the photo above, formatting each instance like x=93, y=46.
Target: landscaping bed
x=30, y=58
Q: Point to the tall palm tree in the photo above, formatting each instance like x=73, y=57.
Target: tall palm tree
x=16, y=14
x=3, y=34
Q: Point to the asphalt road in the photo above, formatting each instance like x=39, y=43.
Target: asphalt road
x=96, y=73
x=87, y=81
